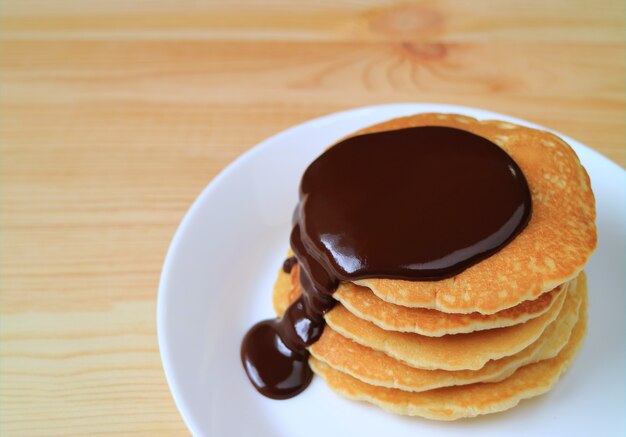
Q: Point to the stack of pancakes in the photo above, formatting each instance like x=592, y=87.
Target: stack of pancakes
x=501, y=331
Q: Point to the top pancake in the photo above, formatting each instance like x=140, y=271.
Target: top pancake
x=551, y=250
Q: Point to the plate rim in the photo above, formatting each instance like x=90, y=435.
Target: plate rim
x=215, y=183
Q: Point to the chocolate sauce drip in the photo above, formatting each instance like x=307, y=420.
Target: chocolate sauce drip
x=289, y=263
x=422, y=203
x=276, y=361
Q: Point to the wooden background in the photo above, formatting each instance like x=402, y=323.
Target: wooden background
x=115, y=114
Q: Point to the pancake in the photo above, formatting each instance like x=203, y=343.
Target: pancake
x=457, y=402
x=364, y=304
x=450, y=352
x=551, y=250
x=453, y=352
x=361, y=302
x=376, y=368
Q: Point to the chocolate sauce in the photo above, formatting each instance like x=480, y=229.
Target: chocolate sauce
x=422, y=203
x=277, y=369
x=289, y=263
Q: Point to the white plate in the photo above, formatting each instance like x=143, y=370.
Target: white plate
x=217, y=282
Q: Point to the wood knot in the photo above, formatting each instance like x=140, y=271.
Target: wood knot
x=425, y=51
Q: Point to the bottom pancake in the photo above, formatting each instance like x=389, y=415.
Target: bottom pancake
x=458, y=402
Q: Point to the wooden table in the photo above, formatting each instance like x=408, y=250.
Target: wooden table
x=115, y=114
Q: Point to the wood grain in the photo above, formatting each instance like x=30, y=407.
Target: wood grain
x=114, y=115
